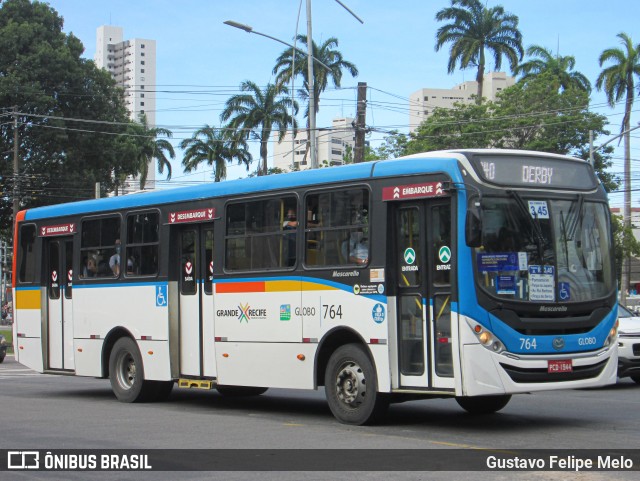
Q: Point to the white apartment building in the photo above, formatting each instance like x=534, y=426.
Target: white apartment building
x=132, y=63
x=332, y=144
x=424, y=101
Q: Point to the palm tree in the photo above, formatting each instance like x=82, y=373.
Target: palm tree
x=474, y=29
x=215, y=147
x=150, y=147
x=558, y=66
x=329, y=56
x=257, y=112
x=617, y=80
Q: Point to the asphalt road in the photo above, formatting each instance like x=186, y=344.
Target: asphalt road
x=61, y=412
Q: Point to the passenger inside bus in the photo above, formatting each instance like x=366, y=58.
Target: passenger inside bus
x=90, y=268
x=356, y=249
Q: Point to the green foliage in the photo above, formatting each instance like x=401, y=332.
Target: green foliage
x=464, y=126
x=560, y=67
x=44, y=77
x=624, y=242
x=258, y=112
x=474, y=28
x=149, y=147
x=328, y=54
x=215, y=147
x=393, y=146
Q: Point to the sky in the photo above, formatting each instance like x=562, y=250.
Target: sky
x=201, y=62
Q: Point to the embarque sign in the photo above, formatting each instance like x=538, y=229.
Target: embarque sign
x=413, y=191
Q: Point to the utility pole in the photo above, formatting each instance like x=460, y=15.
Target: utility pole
x=312, y=93
x=16, y=165
x=361, y=116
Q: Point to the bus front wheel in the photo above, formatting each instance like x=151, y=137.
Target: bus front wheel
x=483, y=404
x=126, y=373
x=351, y=387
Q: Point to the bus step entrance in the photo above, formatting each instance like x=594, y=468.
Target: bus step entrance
x=195, y=384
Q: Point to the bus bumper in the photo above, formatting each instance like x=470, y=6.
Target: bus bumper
x=487, y=373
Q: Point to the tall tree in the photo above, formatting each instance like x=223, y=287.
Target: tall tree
x=258, y=112
x=474, y=29
x=560, y=67
x=43, y=75
x=329, y=55
x=216, y=147
x=151, y=147
x=618, y=82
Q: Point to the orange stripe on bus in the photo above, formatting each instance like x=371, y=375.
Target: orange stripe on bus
x=232, y=287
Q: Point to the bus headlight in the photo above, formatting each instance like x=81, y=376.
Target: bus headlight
x=487, y=338
x=613, y=334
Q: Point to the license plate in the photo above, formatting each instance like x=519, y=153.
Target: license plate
x=562, y=365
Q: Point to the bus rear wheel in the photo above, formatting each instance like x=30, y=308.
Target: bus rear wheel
x=126, y=373
x=351, y=387
x=478, y=405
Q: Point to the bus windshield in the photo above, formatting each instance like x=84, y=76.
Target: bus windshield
x=544, y=250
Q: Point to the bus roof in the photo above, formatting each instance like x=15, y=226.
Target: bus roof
x=446, y=163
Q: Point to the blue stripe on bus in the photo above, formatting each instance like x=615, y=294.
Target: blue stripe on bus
x=353, y=172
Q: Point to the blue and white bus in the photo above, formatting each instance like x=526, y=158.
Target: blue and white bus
x=470, y=274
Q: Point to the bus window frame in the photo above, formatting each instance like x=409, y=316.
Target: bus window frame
x=82, y=220
x=125, y=244
x=277, y=195
x=370, y=225
x=35, y=280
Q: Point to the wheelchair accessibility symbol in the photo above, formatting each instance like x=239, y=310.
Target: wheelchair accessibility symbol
x=565, y=291
x=161, y=296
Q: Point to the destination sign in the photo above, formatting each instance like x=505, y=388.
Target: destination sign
x=60, y=229
x=534, y=172
x=198, y=215
x=413, y=191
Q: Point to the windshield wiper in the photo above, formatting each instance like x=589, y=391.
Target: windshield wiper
x=574, y=219
x=538, y=236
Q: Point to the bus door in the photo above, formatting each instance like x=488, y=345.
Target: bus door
x=195, y=282
x=59, y=318
x=423, y=254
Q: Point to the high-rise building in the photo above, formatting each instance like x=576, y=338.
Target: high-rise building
x=333, y=145
x=132, y=63
x=424, y=101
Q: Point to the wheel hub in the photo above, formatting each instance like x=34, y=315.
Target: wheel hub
x=126, y=371
x=351, y=384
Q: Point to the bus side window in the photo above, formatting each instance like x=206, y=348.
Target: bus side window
x=27, y=262
x=143, y=239
x=261, y=235
x=337, y=228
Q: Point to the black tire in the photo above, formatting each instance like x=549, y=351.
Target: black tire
x=2, y=360
x=635, y=379
x=240, y=391
x=478, y=405
x=126, y=373
x=351, y=387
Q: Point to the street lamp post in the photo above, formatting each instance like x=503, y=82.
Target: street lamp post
x=312, y=91
x=310, y=60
